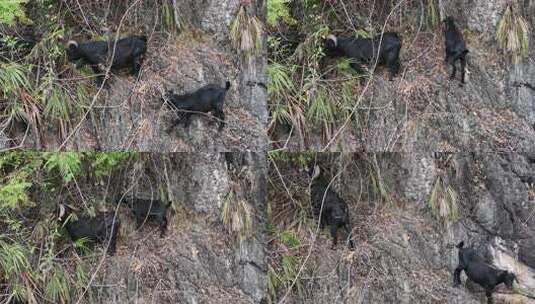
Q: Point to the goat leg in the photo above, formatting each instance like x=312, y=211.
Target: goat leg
x=221, y=116
x=163, y=227
x=393, y=66
x=358, y=68
x=463, y=68
x=112, y=248
x=136, y=65
x=454, y=70
x=334, y=228
x=100, y=77
x=457, y=276
x=139, y=222
x=350, y=240
x=186, y=119
x=488, y=293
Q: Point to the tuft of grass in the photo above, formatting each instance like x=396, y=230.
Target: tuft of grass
x=513, y=34
x=237, y=214
x=16, y=89
x=443, y=202
x=379, y=187
x=286, y=107
x=57, y=288
x=16, y=269
x=321, y=110
x=433, y=15
x=169, y=18
x=282, y=277
x=280, y=79
x=62, y=101
x=246, y=34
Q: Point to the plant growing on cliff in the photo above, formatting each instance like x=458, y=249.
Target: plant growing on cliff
x=246, y=33
x=443, y=201
x=16, y=270
x=237, y=214
x=31, y=246
x=282, y=276
x=380, y=189
x=433, y=15
x=513, y=34
x=17, y=102
x=169, y=17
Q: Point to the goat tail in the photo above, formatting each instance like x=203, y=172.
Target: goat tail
x=460, y=245
x=227, y=85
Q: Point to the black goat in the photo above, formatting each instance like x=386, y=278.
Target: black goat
x=102, y=228
x=146, y=209
x=335, y=212
x=129, y=52
x=480, y=272
x=365, y=50
x=210, y=98
x=455, y=47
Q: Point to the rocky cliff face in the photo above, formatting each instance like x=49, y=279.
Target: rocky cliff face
x=198, y=261
x=130, y=115
x=422, y=110
x=405, y=251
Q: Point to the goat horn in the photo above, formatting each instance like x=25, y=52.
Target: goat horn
x=71, y=43
x=316, y=172
x=333, y=38
x=61, y=210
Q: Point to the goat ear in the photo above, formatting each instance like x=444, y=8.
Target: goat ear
x=460, y=245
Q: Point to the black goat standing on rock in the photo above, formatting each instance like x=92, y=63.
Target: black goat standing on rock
x=146, y=209
x=455, y=47
x=364, y=51
x=480, y=272
x=210, y=98
x=129, y=52
x=334, y=211
x=102, y=228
